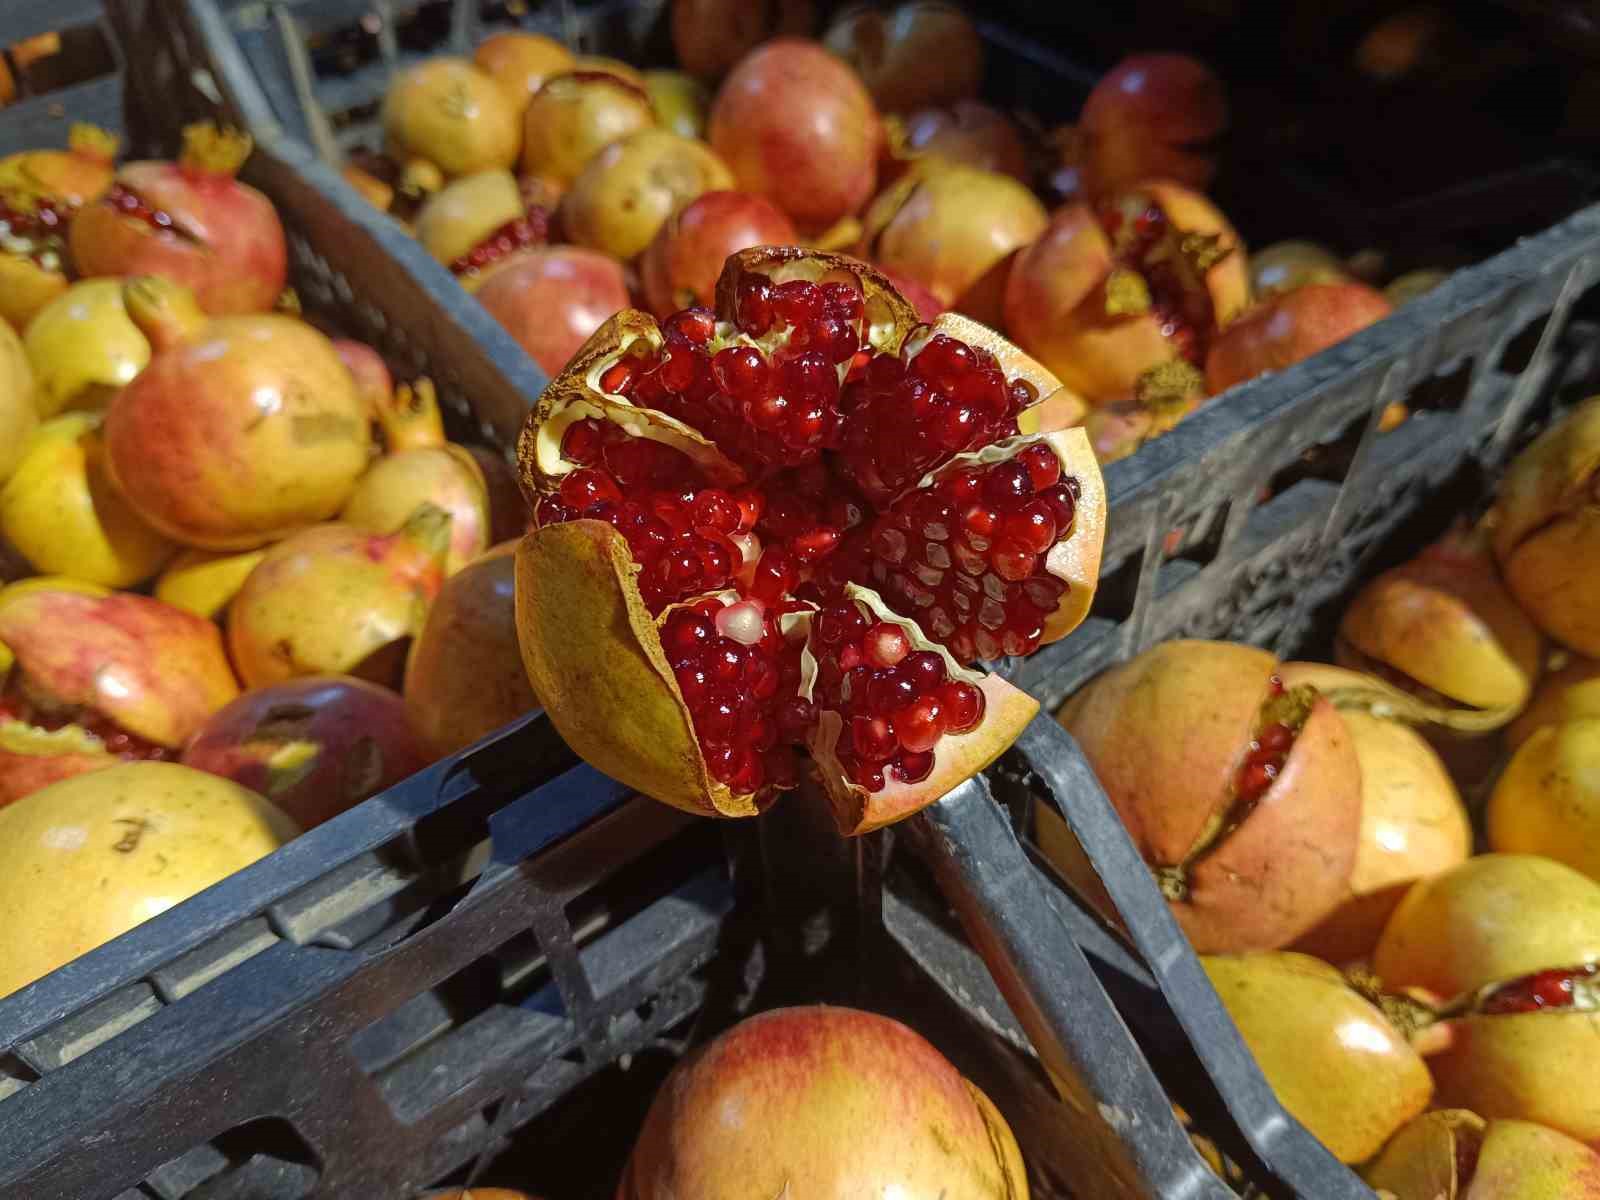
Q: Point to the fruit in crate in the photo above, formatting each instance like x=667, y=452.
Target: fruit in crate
x=968, y=132
x=508, y=507
x=1510, y=944
x=464, y=676
x=552, y=299
x=84, y=347
x=93, y=676
x=795, y=125
x=114, y=849
x=681, y=101
x=334, y=599
x=1291, y=327
x=18, y=412
x=241, y=429
x=1285, y=266
x=314, y=746
x=521, y=63
x=1333, y=1058
x=918, y=54
x=448, y=114
x=205, y=582
x=1413, y=824
x=954, y=229
x=478, y=223
x=742, y=512
x=67, y=178
x=679, y=268
x=629, y=189
x=574, y=117
x=1567, y=691
x=445, y=476
x=1546, y=529
x=1152, y=116
x=63, y=514
x=827, y=1103
x=1163, y=398
x=190, y=221
x=1242, y=793
x=1453, y=1154
x=1141, y=283
x=1547, y=801
x=710, y=36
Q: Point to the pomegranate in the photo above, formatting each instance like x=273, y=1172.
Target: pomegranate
x=1243, y=794
x=679, y=268
x=508, y=508
x=478, y=223
x=1333, y=1058
x=1152, y=116
x=84, y=347
x=1164, y=396
x=19, y=415
x=710, y=36
x=240, y=430
x=446, y=477
x=1290, y=327
x=954, y=229
x=574, y=117
x=464, y=676
x=796, y=125
x=1546, y=529
x=1285, y=266
x=552, y=299
x=60, y=510
x=448, y=113
x=732, y=484
x=114, y=849
x=67, y=178
x=893, y=52
x=603, y=65
x=681, y=102
x=1105, y=296
x=192, y=222
x=970, y=133
x=825, y=1103
x=925, y=303
x=205, y=582
x=314, y=746
x=1443, y=629
x=337, y=600
x=1567, y=691
x=520, y=63
x=33, y=270
x=629, y=189
x=377, y=192
x=1413, y=824
x=372, y=377
x=1453, y=1154
x=1548, y=800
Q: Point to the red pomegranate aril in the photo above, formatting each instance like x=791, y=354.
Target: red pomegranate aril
x=1013, y=562
x=748, y=775
x=742, y=371
x=1032, y=526
x=796, y=717
x=1256, y=778
x=1547, y=989
x=723, y=762
x=888, y=692
x=912, y=767
x=981, y=521
x=686, y=634
x=678, y=369
x=1063, y=505
x=958, y=428
x=872, y=739
x=1044, y=469
x=587, y=486
x=815, y=544
x=583, y=441
x=753, y=303
x=962, y=705
x=617, y=379
x=1008, y=482
x=920, y=725
x=717, y=509
x=718, y=720
x=773, y=578
x=750, y=504
x=1275, y=738
x=693, y=325
x=925, y=670
x=944, y=361
x=797, y=302
x=783, y=773
x=886, y=644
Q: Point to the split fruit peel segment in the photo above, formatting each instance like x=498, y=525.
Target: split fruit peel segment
x=731, y=572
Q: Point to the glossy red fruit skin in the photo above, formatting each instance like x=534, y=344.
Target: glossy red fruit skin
x=358, y=735
x=796, y=125
x=1144, y=120
x=553, y=298
x=1289, y=328
x=679, y=269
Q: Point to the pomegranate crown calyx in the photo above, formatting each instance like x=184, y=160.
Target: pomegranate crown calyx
x=91, y=141
x=215, y=149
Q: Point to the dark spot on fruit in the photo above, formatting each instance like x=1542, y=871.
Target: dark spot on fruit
x=129, y=841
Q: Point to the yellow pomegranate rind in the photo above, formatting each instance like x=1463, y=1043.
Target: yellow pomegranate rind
x=590, y=648
x=1548, y=478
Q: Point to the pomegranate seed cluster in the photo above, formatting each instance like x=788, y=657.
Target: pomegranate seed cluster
x=530, y=229
x=129, y=204
x=896, y=702
x=1150, y=246
x=1542, y=990
x=35, y=233
x=740, y=677
x=1268, y=751
x=116, y=740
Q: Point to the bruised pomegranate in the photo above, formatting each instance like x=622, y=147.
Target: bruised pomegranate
x=1332, y=1057
x=971, y=133
x=1106, y=296
x=824, y=1103
x=240, y=430
x=1453, y=1154
x=1152, y=116
x=628, y=190
x=1289, y=328
x=553, y=298
x=710, y=36
x=1546, y=529
x=450, y=114
x=520, y=63
x=918, y=54
x=795, y=125
x=1243, y=794
x=1548, y=799
x=478, y=223
x=446, y=477
x=679, y=269
x=734, y=483
x=84, y=347
x=192, y=222
x=334, y=599
x=314, y=746
x=95, y=677
x=574, y=117
x=1285, y=266
x=464, y=676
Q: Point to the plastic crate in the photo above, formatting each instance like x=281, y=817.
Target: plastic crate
x=81, y=82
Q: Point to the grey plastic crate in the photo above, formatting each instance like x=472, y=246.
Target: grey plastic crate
x=81, y=83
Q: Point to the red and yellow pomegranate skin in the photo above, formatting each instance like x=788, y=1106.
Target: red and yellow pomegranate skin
x=1454, y=1154
x=628, y=191
x=552, y=300
x=575, y=116
x=1152, y=116
x=972, y=133
x=449, y=113
x=520, y=63
x=679, y=269
x=1290, y=328
x=893, y=52
x=828, y=1103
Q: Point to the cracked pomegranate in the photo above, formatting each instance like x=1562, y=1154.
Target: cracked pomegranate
x=757, y=476
x=1453, y=1154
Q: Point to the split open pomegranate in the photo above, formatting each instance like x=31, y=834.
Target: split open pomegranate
x=796, y=521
